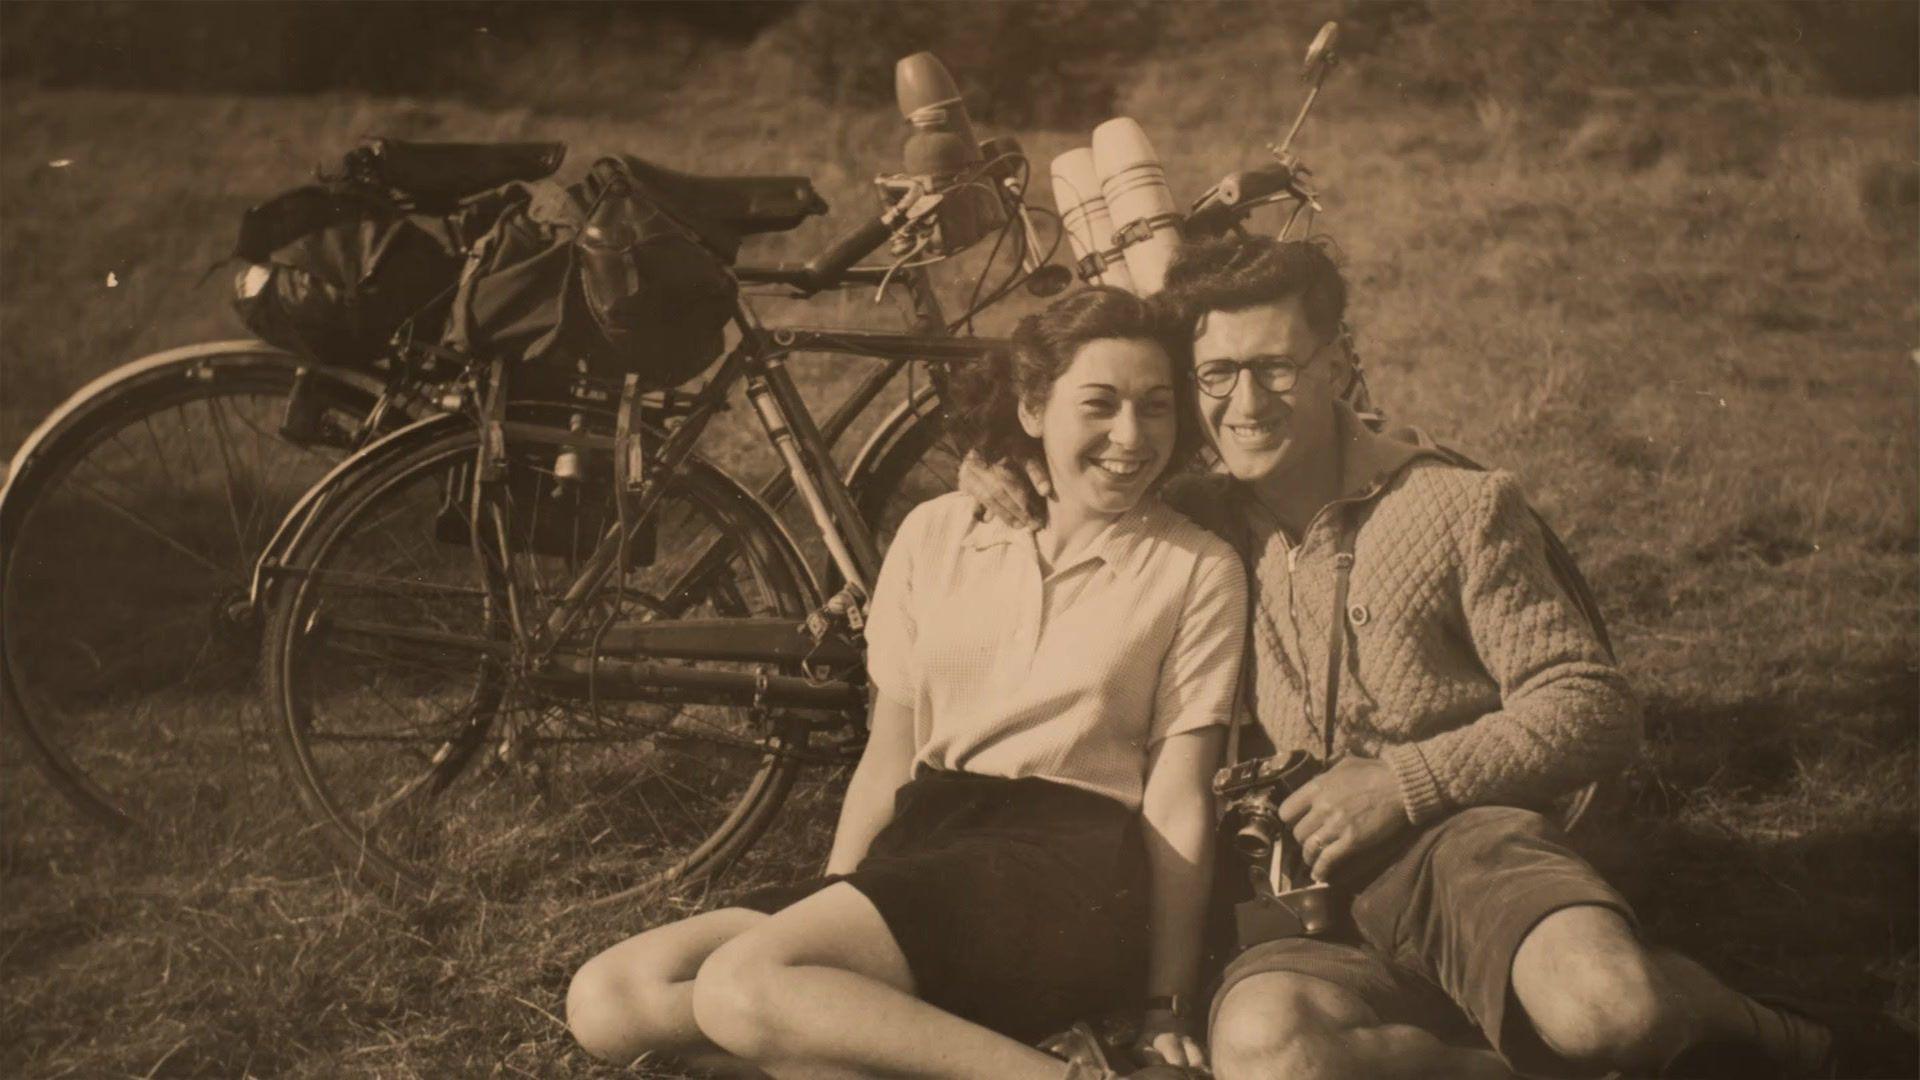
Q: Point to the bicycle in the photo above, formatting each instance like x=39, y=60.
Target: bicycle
x=538, y=644
x=584, y=638
x=133, y=516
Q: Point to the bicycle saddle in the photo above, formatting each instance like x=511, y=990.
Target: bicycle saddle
x=438, y=174
x=744, y=205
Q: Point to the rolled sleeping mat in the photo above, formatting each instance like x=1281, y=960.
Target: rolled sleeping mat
x=1146, y=220
x=1083, y=214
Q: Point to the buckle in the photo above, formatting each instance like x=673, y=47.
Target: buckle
x=1142, y=229
x=1135, y=232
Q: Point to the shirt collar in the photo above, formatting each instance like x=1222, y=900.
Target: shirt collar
x=1112, y=544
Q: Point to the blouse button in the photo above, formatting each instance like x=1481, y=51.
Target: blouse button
x=1358, y=615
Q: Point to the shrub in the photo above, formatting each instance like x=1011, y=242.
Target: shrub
x=1517, y=50
x=559, y=56
x=1019, y=64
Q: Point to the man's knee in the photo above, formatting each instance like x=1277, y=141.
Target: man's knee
x=734, y=999
x=1279, y=1024
x=1594, y=994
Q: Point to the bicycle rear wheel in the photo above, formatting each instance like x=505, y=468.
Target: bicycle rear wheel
x=128, y=528
x=420, y=731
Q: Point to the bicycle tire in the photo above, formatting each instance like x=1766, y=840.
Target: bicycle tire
x=505, y=796
x=128, y=526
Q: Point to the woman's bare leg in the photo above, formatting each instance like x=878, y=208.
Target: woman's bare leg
x=637, y=997
x=822, y=990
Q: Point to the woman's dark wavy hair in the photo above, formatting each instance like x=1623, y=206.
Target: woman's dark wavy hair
x=984, y=398
x=1233, y=273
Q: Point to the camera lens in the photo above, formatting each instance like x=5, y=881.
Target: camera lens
x=1254, y=838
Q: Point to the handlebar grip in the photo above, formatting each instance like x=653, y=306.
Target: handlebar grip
x=1229, y=200
x=825, y=268
x=1259, y=183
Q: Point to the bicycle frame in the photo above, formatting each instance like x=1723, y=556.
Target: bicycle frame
x=623, y=665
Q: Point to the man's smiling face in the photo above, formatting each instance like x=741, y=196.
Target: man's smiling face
x=1262, y=433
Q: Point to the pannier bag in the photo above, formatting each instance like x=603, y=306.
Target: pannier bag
x=336, y=269
x=604, y=277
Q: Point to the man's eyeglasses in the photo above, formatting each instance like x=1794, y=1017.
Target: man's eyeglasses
x=1275, y=374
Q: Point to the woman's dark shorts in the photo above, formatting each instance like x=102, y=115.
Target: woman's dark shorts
x=1433, y=933
x=1019, y=904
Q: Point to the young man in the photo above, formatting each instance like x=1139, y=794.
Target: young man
x=1471, y=694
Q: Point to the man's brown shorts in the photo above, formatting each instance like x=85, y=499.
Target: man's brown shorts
x=1433, y=935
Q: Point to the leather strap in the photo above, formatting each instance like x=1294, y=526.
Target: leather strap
x=1243, y=692
x=1343, y=540
x=1337, y=626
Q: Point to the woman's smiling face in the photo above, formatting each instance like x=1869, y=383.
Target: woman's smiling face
x=1109, y=424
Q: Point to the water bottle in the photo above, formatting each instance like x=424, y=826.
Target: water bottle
x=1084, y=216
x=609, y=277
x=1146, y=220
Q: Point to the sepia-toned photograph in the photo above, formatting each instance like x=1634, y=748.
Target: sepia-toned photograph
x=1000, y=539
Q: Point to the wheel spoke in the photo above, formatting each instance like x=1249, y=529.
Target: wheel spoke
x=140, y=522
x=231, y=486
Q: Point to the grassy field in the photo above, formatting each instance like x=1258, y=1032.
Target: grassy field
x=1687, y=321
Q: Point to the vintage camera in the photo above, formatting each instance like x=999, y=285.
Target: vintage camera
x=1286, y=902
x=1250, y=795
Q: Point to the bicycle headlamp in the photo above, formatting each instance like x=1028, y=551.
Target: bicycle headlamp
x=942, y=153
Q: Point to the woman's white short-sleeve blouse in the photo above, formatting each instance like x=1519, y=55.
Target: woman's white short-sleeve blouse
x=1071, y=674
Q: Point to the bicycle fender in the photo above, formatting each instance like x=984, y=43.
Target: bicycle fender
x=293, y=527
x=185, y=357
x=904, y=416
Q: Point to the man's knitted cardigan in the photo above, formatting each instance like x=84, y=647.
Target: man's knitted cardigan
x=1467, y=669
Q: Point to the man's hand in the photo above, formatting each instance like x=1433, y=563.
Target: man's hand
x=1164, y=1036
x=1004, y=493
x=1347, y=809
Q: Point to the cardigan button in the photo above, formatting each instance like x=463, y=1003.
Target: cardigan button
x=1358, y=615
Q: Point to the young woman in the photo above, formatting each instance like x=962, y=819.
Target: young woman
x=1026, y=840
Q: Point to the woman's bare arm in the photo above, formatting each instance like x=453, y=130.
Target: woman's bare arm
x=1177, y=814
x=883, y=768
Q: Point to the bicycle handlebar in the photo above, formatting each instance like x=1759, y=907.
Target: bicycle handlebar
x=831, y=267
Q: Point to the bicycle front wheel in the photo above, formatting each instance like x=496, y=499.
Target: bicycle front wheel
x=414, y=717
x=912, y=460
x=128, y=529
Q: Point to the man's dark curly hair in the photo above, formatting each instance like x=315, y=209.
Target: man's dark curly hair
x=1233, y=273
x=984, y=398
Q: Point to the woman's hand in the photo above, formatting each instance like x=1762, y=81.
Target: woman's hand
x=1002, y=492
x=1168, y=1038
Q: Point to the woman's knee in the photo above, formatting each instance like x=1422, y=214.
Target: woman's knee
x=734, y=999
x=1284, y=1025
x=606, y=1010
